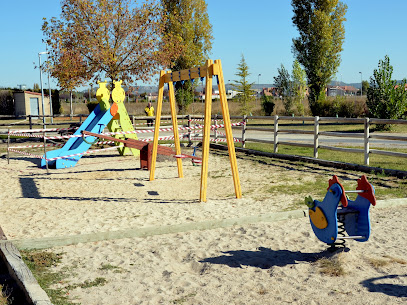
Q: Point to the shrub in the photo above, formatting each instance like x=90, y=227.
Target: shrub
x=56, y=102
x=6, y=102
x=91, y=106
x=267, y=104
x=184, y=98
x=341, y=106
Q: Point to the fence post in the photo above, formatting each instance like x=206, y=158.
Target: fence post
x=30, y=119
x=215, y=130
x=189, y=130
x=80, y=118
x=45, y=151
x=244, y=131
x=316, y=136
x=276, y=134
x=366, y=138
x=133, y=121
x=8, y=146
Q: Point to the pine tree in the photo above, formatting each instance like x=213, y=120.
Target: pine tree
x=243, y=87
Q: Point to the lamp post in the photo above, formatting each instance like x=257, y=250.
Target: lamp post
x=42, y=90
x=361, y=84
x=51, y=111
x=258, y=81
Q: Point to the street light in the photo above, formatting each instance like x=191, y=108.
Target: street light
x=51, y=112
x=258, y=81
x=361, y=84
x=42, y=90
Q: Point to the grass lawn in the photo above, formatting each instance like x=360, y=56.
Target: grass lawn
x=324, y=126
x=381, y=161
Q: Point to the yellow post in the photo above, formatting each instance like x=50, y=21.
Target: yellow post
x=175, y=128
x=157, y=124
x=207, y=130
x=228, y=129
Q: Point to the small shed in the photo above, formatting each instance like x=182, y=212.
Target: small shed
x=30, y=103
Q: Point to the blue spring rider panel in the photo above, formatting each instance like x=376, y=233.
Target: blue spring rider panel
x=352, y=216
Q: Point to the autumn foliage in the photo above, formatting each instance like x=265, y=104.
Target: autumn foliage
x=116, y=39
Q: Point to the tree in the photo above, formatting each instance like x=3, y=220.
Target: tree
x=386, y=99
x=282, y=81
x=188, y=22
x=243, y=87
x=299, y=86
x=292, y=88
x=110, y=38
x=318, y=47
x=284, y=87
x=365, y=86
x=70, y=71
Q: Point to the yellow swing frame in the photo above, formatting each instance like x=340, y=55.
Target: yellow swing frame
x=210, y=69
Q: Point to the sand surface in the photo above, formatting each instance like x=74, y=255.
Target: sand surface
x=258, y=263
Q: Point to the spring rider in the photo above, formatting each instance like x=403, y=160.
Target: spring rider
x=338, y=218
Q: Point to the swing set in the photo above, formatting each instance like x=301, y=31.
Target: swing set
x=208, y=71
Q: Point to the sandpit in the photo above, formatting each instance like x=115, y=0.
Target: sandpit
x=249, y=263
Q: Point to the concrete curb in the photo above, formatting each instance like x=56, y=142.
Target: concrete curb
x=22, y=275
x=60, y=241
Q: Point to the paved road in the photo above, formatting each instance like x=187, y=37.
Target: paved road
x=325, y=140
x=298, y=138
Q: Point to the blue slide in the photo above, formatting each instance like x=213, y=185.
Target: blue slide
x=95, y=123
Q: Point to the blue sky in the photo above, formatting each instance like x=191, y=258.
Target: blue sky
x=261, y=30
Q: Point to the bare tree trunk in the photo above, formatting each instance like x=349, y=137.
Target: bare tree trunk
x=71, y=109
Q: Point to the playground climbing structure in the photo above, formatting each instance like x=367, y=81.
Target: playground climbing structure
x=121, y=121
x=114, y=117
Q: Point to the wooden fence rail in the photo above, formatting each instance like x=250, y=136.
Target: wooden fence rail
x=365, y=136
x=275, y=129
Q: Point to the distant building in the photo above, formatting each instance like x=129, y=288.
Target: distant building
x=341, y=91
x=270, y=91
x=152, y=97
x=398, y=86
x=30, y=103
x=215, y=94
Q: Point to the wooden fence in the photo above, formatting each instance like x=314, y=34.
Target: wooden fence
x=365, y=137
x=274, y=128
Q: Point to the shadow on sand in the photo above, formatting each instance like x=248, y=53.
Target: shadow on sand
x=395, y=290
x=264, y=258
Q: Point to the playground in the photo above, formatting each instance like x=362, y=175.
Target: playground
x=256, y=250
x=130, y=228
